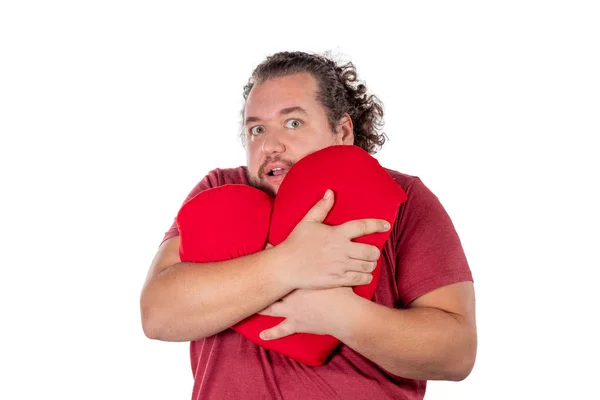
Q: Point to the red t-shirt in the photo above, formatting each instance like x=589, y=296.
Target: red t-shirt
x=422, y=253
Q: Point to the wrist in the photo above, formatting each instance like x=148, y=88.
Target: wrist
x=279, y=263
x=349, y=317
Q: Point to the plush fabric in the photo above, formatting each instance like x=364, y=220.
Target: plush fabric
x=238, y=220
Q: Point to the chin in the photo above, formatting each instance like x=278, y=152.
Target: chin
x=270, y=190
x=264, y=186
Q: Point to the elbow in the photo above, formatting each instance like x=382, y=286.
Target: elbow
x=157, y=327
x=158, y=324
x=454, y=371
x=153, y=320
x=461, y=371
x=151, y=330
x=462, y=366
x=150, y=325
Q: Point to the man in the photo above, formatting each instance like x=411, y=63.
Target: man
x=420, y=324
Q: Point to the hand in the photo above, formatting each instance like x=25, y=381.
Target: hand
x=321, y=312
x=319, y=256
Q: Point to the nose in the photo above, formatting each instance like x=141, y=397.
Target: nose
x=272, y=143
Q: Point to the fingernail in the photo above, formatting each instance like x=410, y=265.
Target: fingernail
x=327, y=194
x=386, y=226
x=264, y=336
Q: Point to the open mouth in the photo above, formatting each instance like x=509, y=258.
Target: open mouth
x=276, y=172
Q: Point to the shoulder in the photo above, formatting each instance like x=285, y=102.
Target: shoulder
x=421, y=203
x=219, y=177
x=223, y=176
x=405, y=181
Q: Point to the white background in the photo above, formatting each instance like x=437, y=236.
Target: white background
x=110, y=112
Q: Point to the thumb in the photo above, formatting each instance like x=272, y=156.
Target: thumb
x=319, y=211
x=284, y=329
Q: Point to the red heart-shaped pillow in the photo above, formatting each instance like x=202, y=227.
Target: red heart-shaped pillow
x=235, y=220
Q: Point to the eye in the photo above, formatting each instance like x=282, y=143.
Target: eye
x=293, y=123
x=257, y=130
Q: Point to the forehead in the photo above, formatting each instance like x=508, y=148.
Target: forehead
x=282, y=92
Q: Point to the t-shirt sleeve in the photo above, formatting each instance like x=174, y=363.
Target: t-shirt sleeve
x=429, y=253
x=209, y=181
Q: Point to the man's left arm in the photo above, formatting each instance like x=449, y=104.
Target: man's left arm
x=431, y=335
x=434, y=338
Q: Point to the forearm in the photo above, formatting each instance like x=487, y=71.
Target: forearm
x=190, y=301
x=416, y=343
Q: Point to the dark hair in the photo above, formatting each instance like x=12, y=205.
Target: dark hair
x=339, y=93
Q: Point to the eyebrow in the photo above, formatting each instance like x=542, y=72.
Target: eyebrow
x=283, y=111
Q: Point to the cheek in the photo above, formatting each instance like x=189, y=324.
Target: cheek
x=252, y=158
x=304, y=149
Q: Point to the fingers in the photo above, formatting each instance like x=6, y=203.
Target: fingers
x=266, y=311
x=362, y=266
x=274, y=310
x=285, y=328
x=362, y=227
x=363, y=252
x=319, y=211
x=353, y=278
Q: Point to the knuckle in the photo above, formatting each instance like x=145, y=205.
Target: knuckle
x=363, y=226
x=376, y=226
x=336, y=275
x=375, y=253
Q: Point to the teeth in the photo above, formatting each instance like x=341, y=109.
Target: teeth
x=272, y=171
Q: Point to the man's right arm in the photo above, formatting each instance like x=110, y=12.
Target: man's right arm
x=184, y=301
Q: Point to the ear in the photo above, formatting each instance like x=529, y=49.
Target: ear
x=345, y=129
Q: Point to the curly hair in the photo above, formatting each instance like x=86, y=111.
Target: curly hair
x=339, y=92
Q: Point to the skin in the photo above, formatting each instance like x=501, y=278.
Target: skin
x=311, y=272
x=184, y=301
x=284, y=122
x=435, y=338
